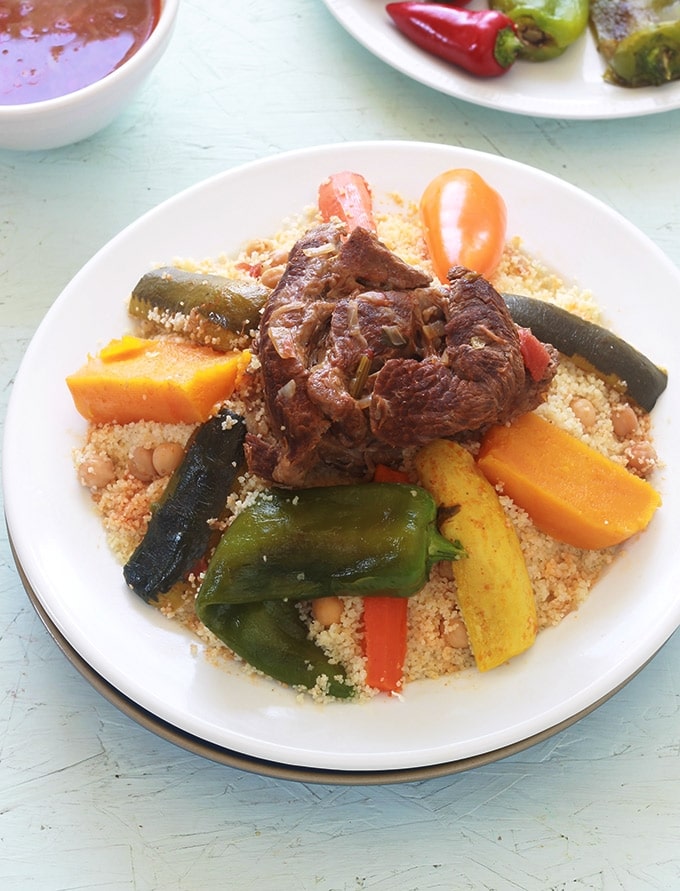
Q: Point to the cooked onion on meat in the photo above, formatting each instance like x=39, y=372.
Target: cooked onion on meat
x=361, y=353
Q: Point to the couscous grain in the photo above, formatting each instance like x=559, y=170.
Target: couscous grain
x=116, y=463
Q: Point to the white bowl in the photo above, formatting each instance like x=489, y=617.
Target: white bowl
x=66, y=119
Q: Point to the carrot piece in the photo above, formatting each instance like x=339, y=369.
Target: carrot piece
x=133, y=379
x=385, y=474
x=464, y=222
x=347, y=196
x=385, y=629
x=536, y=357
x=385, y=621
x=570, y=491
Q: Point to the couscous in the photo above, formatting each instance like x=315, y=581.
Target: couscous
x=127, y=467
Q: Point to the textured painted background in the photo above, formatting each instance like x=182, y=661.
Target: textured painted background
x=91, y=800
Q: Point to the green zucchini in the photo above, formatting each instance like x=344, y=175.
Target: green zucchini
x=599, y=348
x=178, y=533
x=208, y=308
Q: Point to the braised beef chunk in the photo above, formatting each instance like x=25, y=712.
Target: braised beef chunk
x=362, y=355
x=477, y=379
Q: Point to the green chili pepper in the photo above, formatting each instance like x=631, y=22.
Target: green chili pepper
x=545, y=27
x=272, y=638
x=357, y=539
x=639, y=40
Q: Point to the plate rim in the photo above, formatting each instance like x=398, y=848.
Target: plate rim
x=279, y=770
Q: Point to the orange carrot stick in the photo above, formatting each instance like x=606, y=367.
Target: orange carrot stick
x=385, y=622
x=385, y=626
x=347, y=196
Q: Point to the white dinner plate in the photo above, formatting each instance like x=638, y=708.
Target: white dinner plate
x=62, y=552
x=570, y=87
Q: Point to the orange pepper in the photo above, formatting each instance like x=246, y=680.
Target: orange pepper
x=464, y=221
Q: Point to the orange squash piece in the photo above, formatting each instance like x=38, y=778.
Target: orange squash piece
x=133, y=379
x=571, y=492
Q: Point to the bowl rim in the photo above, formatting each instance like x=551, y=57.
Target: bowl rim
x=154, y=42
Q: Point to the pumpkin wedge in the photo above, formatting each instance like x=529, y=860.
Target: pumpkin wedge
x=493, y=588
x=570, y=491
x=134, y=379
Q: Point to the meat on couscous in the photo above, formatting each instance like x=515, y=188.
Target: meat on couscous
x=127, y=466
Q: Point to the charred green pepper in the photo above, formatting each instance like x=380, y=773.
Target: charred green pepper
x=208, y=308
x=639, y=40
x=591, y=345
x=546, y=28
x=179, y=530
x=372, y=538
x=376, y=538
x=272, y=637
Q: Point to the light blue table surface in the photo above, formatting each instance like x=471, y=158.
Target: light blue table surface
x=89, y=799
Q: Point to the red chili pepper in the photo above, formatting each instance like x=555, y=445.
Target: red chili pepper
x=482, y=41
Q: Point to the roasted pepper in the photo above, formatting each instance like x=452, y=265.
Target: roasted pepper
x=179, y=529
x=639, y=40
x=482, y=41
x=357, y=539
x=271, y=637
x=546, y=28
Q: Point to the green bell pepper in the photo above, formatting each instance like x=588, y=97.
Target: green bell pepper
x=272, y=637
x=357, y=539
x=375, y=538
x=546, y=28
x=639, y=40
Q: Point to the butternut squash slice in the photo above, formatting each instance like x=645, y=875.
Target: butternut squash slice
x=571, y=492
x=493, y=588
x=134, y=379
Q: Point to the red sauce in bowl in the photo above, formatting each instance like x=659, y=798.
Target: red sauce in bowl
x=52, y=47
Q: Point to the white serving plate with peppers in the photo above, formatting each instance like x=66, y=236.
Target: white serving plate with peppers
x=569, y=87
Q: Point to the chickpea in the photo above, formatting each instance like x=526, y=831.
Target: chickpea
x=140, y=464
x=327, y=611
x=456, y=636
x=624, y=421
x=585, y=412
x=270, y=277
x=278, y=257
x=641, y=457
x=97, y=472
x=167, y=456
